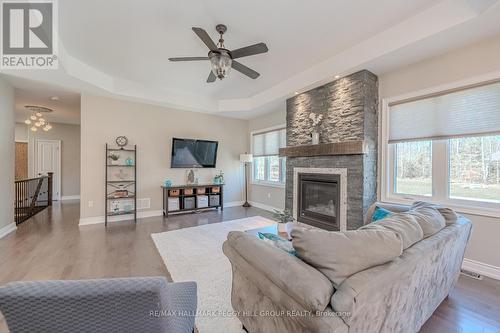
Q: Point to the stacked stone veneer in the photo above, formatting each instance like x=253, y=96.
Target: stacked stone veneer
x=349, y=107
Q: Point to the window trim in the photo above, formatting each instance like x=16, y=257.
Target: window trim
x=440, y=156
x=253, y=181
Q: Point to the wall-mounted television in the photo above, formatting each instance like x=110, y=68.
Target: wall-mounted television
x=190, y=153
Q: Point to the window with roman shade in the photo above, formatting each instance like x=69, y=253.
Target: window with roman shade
x=473, y=111
x=445, y=147
x=268, y=143
x=268, y=166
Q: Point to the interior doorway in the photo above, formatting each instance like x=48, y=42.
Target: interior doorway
x=48, y=159
x=21, y=160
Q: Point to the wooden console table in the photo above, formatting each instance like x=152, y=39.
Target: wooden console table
x=192, y=198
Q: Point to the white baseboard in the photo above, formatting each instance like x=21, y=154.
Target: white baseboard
x=4, y=231
x=481, y=268
x=151, y=213
x=70, y=197
x=265, y=207
x=100, y=219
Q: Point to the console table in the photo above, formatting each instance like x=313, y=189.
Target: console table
x=192, y=198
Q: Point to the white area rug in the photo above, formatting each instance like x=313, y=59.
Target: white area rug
x=195, y=254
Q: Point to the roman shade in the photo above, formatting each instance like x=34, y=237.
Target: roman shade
x=471, y=111
x=268, y=143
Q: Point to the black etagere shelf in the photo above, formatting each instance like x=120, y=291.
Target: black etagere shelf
x=120, y=189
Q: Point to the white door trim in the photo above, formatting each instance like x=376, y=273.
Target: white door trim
x=57, y=174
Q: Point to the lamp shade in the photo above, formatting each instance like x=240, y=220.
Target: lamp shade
x=246, y=158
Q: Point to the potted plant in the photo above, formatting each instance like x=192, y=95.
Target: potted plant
x=114, y=158
x=285, y=220
x=219, y=179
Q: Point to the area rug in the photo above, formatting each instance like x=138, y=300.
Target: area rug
x=195, y=254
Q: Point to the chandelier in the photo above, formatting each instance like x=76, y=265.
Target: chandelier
x=37, y=120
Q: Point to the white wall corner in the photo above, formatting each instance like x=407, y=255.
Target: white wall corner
x=481, y=268
x=4, y=231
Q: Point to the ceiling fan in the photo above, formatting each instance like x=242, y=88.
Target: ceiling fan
x=222, y=59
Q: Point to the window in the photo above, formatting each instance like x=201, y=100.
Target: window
x=444, y=148
x=268, y=167
x=414, y=168
x=475, y=168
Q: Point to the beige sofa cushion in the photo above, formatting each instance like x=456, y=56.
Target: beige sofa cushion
x=403, y=224
x=449, y=214
x=338, y=255
x=429, y=219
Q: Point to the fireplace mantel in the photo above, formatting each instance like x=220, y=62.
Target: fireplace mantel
x=357, y=147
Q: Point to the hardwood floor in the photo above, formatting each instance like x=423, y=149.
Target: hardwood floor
x=51, y=245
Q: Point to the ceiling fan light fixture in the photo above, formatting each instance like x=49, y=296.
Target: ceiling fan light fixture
x=221, y=63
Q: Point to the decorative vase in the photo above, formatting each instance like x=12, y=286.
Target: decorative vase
x=129, y=161
x=115, y=162
x=315, y=138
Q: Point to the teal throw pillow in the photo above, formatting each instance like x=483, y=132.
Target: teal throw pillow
x=277, y=241
x=380, y=213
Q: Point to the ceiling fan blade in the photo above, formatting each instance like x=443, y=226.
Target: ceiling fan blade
x=211, y=77
x=244, y=69
x=188, y=58
x=249, y=50
x=205, y=38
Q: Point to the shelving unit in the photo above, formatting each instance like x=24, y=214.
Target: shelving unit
x=114, y=186
x=198, y=190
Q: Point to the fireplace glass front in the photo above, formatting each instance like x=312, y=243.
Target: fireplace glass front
x=319, y=197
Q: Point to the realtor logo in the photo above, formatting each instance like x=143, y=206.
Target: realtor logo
x=29, y=38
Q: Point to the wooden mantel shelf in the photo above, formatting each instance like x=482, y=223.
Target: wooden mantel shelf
x=357, y=147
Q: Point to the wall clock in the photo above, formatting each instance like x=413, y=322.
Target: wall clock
x=121, y=141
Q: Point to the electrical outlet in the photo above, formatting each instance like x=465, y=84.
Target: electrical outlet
x=91, y=204
x=269, y=195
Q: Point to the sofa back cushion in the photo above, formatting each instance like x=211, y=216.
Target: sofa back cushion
x=339, y=255
x=403, y=224
x=429, y=219
x=448, y=214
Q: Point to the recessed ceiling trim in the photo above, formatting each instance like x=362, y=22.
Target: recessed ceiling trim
x=441, y=16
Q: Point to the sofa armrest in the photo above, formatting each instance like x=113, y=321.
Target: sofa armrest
x=303, y=283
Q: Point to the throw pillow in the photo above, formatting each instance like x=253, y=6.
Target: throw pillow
x=339, y=255
x=403, y=224
x=277, y=241
x=380, y=213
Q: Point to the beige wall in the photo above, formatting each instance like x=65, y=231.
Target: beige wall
x=474, y=60
x=69, y=135
x=152, y=128
x=273, y=197
x=6, y=154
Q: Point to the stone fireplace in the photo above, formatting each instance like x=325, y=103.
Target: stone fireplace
x=332, y=185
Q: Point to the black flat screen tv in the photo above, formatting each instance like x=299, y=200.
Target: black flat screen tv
x=190, y=153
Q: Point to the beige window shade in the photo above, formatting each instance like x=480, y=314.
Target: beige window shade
x=268, y=143
x=469, y=112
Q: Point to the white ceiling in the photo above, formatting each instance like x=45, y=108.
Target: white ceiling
x=133, y=39
x=65, y=110
x=121, y=47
